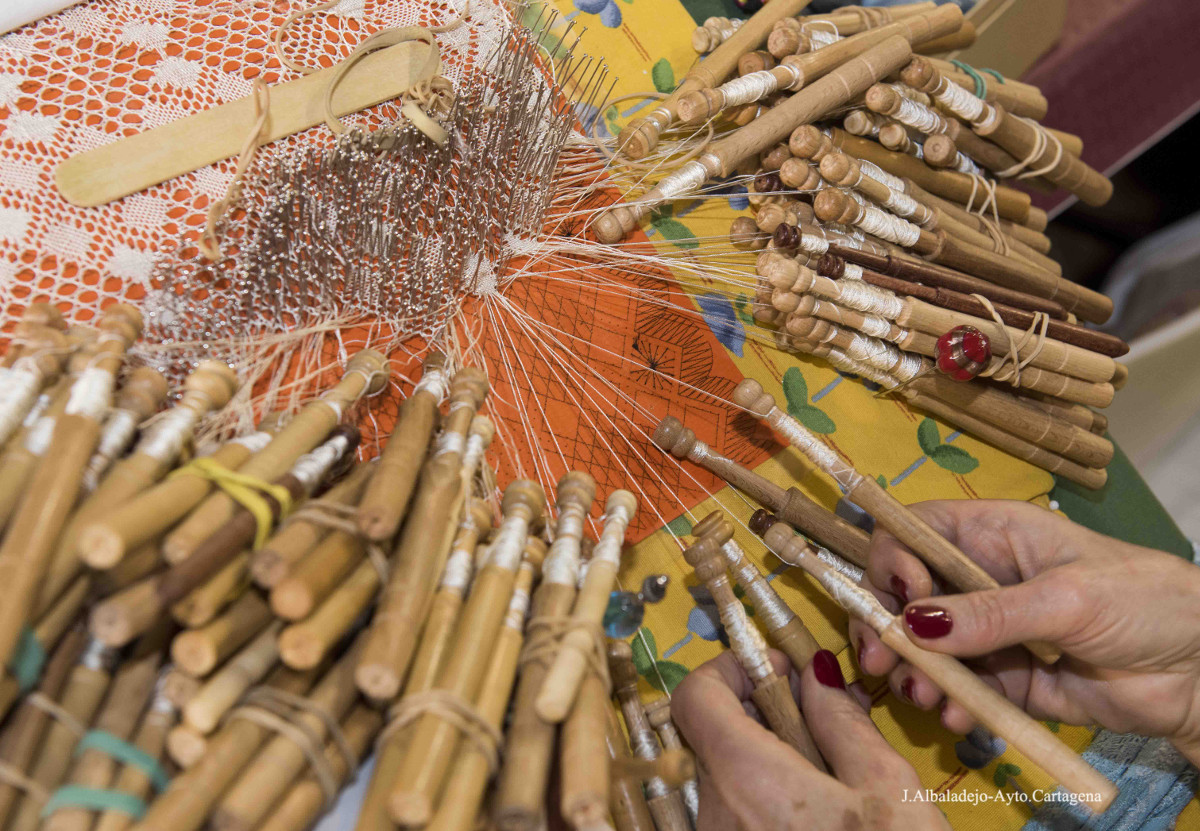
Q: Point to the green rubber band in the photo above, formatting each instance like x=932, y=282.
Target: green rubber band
x=995, y=73
x=95, y=799
x=980, y=81
x=126, y=753
x=28, y=660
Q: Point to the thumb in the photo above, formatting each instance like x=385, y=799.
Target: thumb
x=1047, y=608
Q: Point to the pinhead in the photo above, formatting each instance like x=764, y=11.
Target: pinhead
x=481, y=515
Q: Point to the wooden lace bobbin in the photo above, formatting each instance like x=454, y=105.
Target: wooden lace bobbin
x=792, y=505
x=1022, y=138
x=665, y=803
x=795, y=71
x=1013, y=232
x=948, y=184
x=627, y=800
x=150, y=738
x=139, y=565
x=386, y=499
x=266, y=779
x=1074, y=413
x=305, y=643
x=424, y=543
x=529, y=748
x=300, y=536
x=32, y=367
x=586, y=787
x=131, y=690
x=144, y=517
x=813, y=33
x=80, y=699
x=713, y=32
x=29, y=544
x=995, y=712
x=138, y=398
x=186, y=745
x=773, y=158
x=897, y=138
x=436, y=640
x=1089, y=339
x=558, y=691
x=367, y=373
x=724, y=155
x=192, y=795
x=745, y=236
x=305, y=800
x=640, y=136
x=463, y=794
x=658, y=713
x=840, y=169
x=431, y=750
x=758, y=60
x=179, y=687
x=935, y=550
x=23, y=735
x=199, y=651
x=1015, y=96
x=206, y=601
x=834, y=205
x=771, y=693
x=205, y=709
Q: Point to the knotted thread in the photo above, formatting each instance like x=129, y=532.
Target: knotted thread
x=337, y=516
x=278, y=711
x=455, y=711
x=1036, y=332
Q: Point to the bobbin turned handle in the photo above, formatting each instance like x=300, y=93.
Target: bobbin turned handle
x=617, y=223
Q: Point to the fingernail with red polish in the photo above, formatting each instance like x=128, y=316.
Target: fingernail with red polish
x=899, y=588
x=906, y=689
x=928, y=621
x=827, y=670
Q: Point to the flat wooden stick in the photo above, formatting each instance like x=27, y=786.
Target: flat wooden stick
x=133, y=164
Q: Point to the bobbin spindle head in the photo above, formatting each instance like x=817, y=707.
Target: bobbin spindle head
x=481, y=516
x=745, y=236
x=831, y=266
x=143, y=391
x=576, y=488
x=704, y=556
x=784, y=301
x=857, y=123
x=805, y=305
x=46, y=347
x=786, y=237
x=799, y=174
x=41, y=313
x=779, y=538
x=670, y=435
x=894, y=137
x=831, y=205
x=799, y=326
x=617, y=223
x=534, y=554
x=526, y=495
x=658, y=712
x=839, y=169
x=374, y=365
x=620, y=667
x=433, y=362
x=215, y=380
x=963, y=352
x=920, y=74
x=716, y=525
x=749, y=395
x=940, y=151
x=808, y=142
x=621, y=498
x=123, y=319
x=755, y=61
x=638, y=138
x=769, y=217
x=882, y=99
x=470, y=384
x=700, y=105
x=774, y=158
x=783, y=42
x=482, y=427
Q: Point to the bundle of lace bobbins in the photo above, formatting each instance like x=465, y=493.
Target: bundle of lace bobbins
x=913, y=267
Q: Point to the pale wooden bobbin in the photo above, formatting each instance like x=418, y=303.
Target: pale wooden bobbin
x=138, y=398
x=799, y=35
x=772, y=693
x=627, y=799
x=463, y=794
x=658, y=713
x=724, y=155
x=386, y=499
x=33, y=363
x=995, y=712
x=199, y=651
x=149, y=737
x=205, y=709
x=935, y=550
x=640, y=136
x=29, y=544
x=665, y=803
x=424, y=542
x=586, y=773
x=792, y=505
x=431, y=751
x=555, y=699
x=529, y=748
x=367, y=373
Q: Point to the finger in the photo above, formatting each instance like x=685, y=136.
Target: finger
x=854, y=749
x=1047, y=608
x=714, y=813
x=874, y=657
x=912, y=686
x=955, y=718
x=894, y=571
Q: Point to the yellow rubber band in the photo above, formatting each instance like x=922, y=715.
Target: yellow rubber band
x=247, y=491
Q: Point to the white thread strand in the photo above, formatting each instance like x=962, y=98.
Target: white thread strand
x=749, y=88
x=562, y=560
x=612, y=536
x=435, y=382
x=901, y=204
x=880, y=175
x=311, y=468
x=118, y=431
x=20, y=391
x=456, y=574
x=450, y=442
x=518, y=607
x=689, y=178
x=843, y=566
x=253, y=442
x=920, y=118
x=507, y=550
x=960, y=101
x=767, y=604
x=164, y=439
x=745, y=641
x=91, y=394
x=857, y=601
x=889, y=227
x=864, y=297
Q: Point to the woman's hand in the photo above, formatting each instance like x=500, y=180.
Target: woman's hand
x=1127, y=619
x=751, y=779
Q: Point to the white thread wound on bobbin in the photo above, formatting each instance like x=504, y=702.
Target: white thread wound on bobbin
x=749, y=88
x=612, y=536
x=889, y=227
x=562, y=560
x=901, y=204
x=877, y=173
x=920, y=117
x=436, y=382
x=874, y=326
x=864, y=297
x=311, y=468
x=844, y=362
x=37, y=437
x=20, y=392
x=857, y=601
x=879, y=354
x=91, y=394
x=456, y=574
x=908, y=367
x=767, y=604
x=687, y=179
x=253, y=442
x=118, y=430
x=804, y=441
x=852, y=272
x=449, y=442
x=332, y=403
x=163, y=440
x=960, y=101
x=745, y=641
x=518, y=606
x=507, y=550
x=963, y=164
x=843, y=566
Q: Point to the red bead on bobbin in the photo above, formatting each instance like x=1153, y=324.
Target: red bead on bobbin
x=963, y=352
